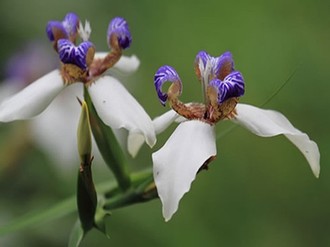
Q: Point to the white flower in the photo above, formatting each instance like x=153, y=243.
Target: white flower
x=114, y=104
x=193, y=144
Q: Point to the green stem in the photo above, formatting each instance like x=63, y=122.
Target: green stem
x=144, y=190
x=108, y=146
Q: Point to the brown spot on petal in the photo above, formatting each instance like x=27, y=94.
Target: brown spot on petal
x=205, y=166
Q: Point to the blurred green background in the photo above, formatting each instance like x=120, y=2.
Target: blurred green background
x=259, y=191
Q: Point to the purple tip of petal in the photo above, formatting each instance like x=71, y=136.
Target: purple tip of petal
x=70, y=54
x=54, y=29
x=224, y=65
x=203, y=56
x=164, y=74
x=231, y=86
x=70, y=24
x=119, y=27
x=81, y=54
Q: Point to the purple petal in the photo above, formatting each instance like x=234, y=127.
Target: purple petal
x=55, y=31
x=74, y=55
x=231, y=86
x=70, y=24
x=119, y=27
x=164, y=74
x=200, y=62
x=224, y=65
x=203, y=56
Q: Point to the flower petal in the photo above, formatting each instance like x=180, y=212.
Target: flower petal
x=119, y=109
x=223, y=65
x=54, y=129
x=126, y=65
x=164, y=74
x=118, y=26
x=231, y=86
x=33, y=99
x=163, y=121
x=267, y=123
x=178, y=161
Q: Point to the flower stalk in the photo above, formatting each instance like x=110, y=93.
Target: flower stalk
x=108, y=146
x=86, y=193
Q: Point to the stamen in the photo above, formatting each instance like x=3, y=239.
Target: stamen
x=84, y=32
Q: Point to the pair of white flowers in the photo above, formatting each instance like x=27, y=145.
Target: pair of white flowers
x=192, y=145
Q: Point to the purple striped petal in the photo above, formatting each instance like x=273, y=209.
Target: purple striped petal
x=71, y=54
x=231, y=86
x=67, y=29
x=55, y=31
x=203, y=56
x=70, y=24
x=164, y=74
x=200, y=62
x=119, y=27
x=223, y=65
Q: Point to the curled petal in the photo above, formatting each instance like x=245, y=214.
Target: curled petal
x=70, y=24
x=120, y=110
x=231, y=86
x=119, y=27
x=203, y=56
x=267, y=123
x=201, y=60
x=55, y=31
x=176, y=164
x=33, y=99
x=81, y=55
x=223, y=65
x=164, y=74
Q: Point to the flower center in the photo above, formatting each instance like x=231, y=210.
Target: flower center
x=77, y=62
x=221, y=87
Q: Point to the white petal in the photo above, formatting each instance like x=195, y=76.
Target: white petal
x=267, y=123
x=178, y=161
x=33, y=99
x=163, y=121
x=10, y=87
x=119, y=109
x=126, y=65
x=55, y=129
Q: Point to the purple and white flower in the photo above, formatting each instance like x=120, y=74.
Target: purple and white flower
x=193, y=143
x=80, y=64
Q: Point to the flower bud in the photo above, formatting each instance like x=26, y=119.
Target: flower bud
x=84, y=135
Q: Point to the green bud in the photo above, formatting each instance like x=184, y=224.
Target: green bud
x=84, y=135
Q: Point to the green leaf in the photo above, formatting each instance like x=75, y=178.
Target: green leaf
x=101, y=218
x=77, y=235
x=40, y=216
